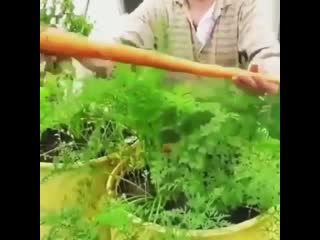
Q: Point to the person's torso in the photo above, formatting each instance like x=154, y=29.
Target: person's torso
x=221, y=46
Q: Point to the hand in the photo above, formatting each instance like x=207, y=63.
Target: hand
x=256, y=85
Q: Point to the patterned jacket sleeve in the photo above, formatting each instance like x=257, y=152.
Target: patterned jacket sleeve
x=140, y=26
x=257, y=39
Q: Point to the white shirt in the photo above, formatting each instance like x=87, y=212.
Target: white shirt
x=205, y=26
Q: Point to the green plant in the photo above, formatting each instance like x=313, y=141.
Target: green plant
x=70, y=224
x=222, y=156
x=61, y=12
x=76, y=125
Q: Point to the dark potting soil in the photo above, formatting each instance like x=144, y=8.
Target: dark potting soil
x=136, y=182
x=242, y=214
x=51, y=139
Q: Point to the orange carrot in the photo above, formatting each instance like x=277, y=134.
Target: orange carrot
x=59, y=43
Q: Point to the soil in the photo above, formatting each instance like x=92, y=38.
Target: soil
x=242, y=214
x=136, y=183
x=51, y=139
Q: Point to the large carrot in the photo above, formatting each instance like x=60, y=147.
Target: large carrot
x=59, y=43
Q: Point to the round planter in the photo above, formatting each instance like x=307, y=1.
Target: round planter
x=83, y=182
x=265, y=227
x=64, y=188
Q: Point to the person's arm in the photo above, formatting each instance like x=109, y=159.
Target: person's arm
x=138, y=31
x=101, y=68
x=260, y=44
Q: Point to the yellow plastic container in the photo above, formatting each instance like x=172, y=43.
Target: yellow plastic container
x=63, y=189
x=81, y=183
x=266, y=227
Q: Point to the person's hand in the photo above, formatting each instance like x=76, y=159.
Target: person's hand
x=256, y=85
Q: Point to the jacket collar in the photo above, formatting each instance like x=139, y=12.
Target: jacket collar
x=220, y=5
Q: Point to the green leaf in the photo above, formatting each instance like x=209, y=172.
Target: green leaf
x=117, y=218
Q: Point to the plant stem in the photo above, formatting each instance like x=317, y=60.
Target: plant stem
x=44, y=4
x=158, y=209
x=151, y=210
x=86, y=9
x=57, y=148
x=133, y=184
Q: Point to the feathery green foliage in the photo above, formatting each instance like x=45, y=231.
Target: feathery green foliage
x=223, y=156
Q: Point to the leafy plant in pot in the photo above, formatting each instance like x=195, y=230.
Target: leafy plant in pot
x=79, y=143
x=75, y=129
x=219, y=179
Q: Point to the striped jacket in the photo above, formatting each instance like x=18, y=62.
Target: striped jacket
x=240, y=36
